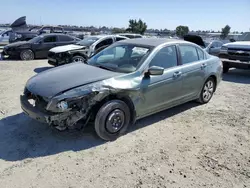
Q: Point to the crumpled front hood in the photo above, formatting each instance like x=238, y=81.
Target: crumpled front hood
x=239, y=44
x=56, y=80
x=66, y=48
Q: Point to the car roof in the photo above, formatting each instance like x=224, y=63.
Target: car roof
x=152, y=42
x=132, y=34
x=53, y=34
x=106, y=36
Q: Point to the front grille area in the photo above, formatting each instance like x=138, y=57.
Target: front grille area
x=40, y=103
x=51, y=54
x=239, y=54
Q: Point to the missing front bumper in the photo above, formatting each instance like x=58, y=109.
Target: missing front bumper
x=60, y=121
x=31, y=111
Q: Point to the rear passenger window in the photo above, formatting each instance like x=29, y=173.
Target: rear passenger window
x=105, y=42
x=200, y=54
x=165, y=58
x=50, y=39
x=188, y=54
x=65, y=38
x=120, y=38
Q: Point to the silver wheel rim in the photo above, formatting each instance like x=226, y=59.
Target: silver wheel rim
x=78, y=59
x=27, y=55
x=208, y=90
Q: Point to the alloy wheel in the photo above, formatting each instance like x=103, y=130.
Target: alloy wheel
x=208, y=90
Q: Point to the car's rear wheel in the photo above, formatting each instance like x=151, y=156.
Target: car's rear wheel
x=207, y=91
x=27, y=55
x=112, y=120
x=78, y=58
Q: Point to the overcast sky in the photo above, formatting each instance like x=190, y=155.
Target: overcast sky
x=158, y=14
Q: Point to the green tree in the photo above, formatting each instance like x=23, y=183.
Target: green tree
x=182, y=30
x=137, y=26
x=118, y=30
x=225, y=31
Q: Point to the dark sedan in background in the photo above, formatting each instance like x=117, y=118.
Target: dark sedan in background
x=38, y=47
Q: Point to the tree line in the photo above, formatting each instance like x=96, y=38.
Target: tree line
x=140, y=27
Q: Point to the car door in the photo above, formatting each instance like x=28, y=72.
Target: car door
x=215, y=48
x=42, y=48
x=162, y=91
x=193, y=70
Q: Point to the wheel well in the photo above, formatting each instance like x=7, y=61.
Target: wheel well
x=215, y=81
x=123, y=98
x=78, y=54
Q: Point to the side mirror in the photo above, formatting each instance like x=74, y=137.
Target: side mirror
x=211, y=46
x=155, y=70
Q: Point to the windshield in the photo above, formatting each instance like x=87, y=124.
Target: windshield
x=88, y=41
x=35, y=39
x=120, y=58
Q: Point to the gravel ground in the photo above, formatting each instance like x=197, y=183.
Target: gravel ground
x=186, y=146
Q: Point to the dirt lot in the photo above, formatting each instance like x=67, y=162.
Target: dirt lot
x=187, y=146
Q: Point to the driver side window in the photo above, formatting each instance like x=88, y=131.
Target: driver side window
x=104, y=43
x=165, y=58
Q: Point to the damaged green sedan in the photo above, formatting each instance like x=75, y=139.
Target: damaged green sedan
x=129, y=80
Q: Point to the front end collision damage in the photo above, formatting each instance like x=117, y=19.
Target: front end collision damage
x=66, y=56
x=83, y=102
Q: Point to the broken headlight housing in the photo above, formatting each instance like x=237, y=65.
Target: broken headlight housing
x=63, y=105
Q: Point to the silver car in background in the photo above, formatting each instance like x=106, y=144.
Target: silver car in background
x=213, y=47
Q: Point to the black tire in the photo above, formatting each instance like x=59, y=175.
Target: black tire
x=112, y=120
x=78, y=58
x=207, y=91
x=27, y=55
x=225, y=69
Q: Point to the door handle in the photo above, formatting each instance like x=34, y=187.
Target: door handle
x=203, y=65
x=177, y=74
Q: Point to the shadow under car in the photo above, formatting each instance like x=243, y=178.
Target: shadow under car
x=22, y=138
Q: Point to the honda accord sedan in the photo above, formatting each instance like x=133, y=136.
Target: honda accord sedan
x=127, y=81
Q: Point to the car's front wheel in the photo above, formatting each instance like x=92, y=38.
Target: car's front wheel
x=27, y=55
x=207, y=91
x=78, y=58
x=112, y=120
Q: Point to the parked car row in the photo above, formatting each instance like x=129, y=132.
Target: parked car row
x=37, y=47
x=124, y=82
